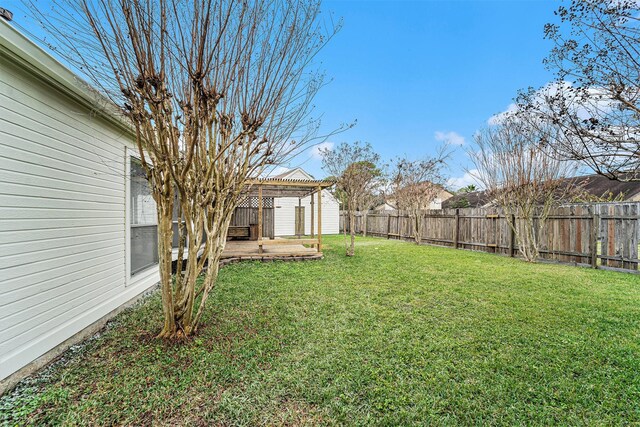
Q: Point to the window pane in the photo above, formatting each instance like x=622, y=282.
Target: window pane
x=144, y=247
x=143, y=207
x=144, y=231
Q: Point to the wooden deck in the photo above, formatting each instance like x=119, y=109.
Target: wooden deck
x=238, y=250
x=250, y=250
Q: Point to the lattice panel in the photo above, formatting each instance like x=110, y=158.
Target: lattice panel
x=252, y=202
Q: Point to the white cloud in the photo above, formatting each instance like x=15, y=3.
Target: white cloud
x=496, y=119
x=316, y=149
x=469, y=177
x=451, y=138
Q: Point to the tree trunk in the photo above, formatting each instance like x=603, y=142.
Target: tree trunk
x=351, y=249
x=179, y=297
x=364, y=223
x=165, y=244
x=217, y=238
x=417, y=227
x=527, y=240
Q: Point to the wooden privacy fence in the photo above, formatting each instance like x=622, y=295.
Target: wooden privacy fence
x=603, y=235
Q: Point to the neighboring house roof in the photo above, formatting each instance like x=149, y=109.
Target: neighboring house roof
x=444, y=195
x=594, y=185
x=441, y=194
x=601, y=186
x=386, y=206
x=391, y=205
x=474, y=199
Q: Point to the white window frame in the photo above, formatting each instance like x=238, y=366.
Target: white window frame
x=140, y=275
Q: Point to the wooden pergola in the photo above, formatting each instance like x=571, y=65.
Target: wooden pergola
x=272, y=187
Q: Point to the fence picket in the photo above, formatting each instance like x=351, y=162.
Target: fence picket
x=572, y=234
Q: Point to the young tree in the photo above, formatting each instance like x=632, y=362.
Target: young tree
x=358, y=174
x=335, y=191
x=520, y=177
x=415, y=184
x=215, y=90
x=596, y=101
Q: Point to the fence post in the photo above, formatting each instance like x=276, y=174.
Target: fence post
x=456, y=231
x=388, y=225
x=364, y=223
x=512, y=235
x=594, y=240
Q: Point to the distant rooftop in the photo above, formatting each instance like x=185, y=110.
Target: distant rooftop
x=593, y=185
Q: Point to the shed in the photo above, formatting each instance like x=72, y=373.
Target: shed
x=294, y=214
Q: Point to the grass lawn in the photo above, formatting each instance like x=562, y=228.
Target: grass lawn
x=397, y=335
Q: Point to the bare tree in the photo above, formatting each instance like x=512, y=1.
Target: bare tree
x=520, y=177
x=595, y=102
x=358, y=173
x=215, y=90
x=415, y=184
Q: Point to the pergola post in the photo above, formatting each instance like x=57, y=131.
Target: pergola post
x=259, y=218
x=299, y=220
x=319, y=219
x=312, y=215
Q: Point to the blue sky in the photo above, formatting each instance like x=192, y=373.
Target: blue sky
x=410, y=71
x=414, y=72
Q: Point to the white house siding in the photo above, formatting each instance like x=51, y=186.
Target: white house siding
x=436, y=204
x=285, y=218
x=62, y=208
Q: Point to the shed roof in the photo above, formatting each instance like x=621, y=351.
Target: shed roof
x=288, y=174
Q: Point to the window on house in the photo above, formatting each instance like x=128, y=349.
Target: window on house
x=144, y=228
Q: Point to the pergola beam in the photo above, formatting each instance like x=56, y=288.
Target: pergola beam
x=268, y=192
x=300, y=183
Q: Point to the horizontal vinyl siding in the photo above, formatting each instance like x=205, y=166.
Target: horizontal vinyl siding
x=285, y=214
x=330, y=215
x=62, y=219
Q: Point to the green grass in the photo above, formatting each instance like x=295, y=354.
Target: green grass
x=397, y=335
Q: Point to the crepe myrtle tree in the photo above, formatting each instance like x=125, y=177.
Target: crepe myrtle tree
x=521, y=177
x=335, y=191
x=415, y=184
x=358, y=174
x=367, y=202
x=215, y=91
x=595, y=102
